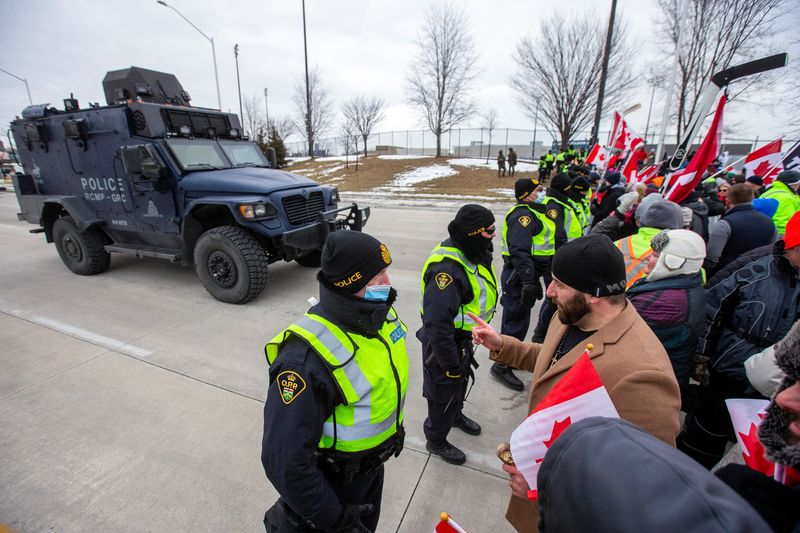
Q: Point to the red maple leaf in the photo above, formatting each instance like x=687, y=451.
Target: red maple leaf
x=762, y=168
x=753, y=452
x=601, y=157
x=558, y=429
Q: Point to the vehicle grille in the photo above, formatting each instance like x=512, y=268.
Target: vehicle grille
x=301, y=211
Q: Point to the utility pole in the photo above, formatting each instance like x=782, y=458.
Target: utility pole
x=603, y=74
x=23, y=80
x=266, y=108
x=308, y=90
x=238, y=84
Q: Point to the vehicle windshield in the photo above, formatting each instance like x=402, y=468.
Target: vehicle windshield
x=244, y=154
x=198, y=154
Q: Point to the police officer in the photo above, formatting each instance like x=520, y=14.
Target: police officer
x=550, y=159
x=334, y=409
x=457, y=278
x=529, y=243
x=580, y=197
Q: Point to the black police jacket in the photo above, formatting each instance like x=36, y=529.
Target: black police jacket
x=519, y=239
x=292, y=431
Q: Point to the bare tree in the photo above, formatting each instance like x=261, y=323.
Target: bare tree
x=443, y=71
x=714, y=34
x=283, y=126
x=364, y=114
x=253, y=119
x=565, y=85
x=490, y=123
x=314, y=123
x=349, y=134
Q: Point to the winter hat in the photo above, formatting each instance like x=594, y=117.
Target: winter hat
x=792, y=236
x=524, y=187
x=607, y=275
x=768, y=206
x=612, y=178
x=789, y=177
x=470, y=221
x=680, y=252
x=560, y=182
x=351, y=258
x=774, y=431
x=663, y=215
x=581, y=184
x=645, y=204
x=755, y=180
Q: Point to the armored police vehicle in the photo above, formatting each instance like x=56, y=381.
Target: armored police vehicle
x=152, y=176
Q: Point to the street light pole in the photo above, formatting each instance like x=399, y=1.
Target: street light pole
x=238, y=84
x=603, y=74
x=210, y=39
x=266, y=108
x=23, y=80
x=308, y=90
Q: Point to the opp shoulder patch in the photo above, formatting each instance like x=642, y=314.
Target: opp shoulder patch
x=290, y=385
x=443, y=279
x=524, y=221
x=552, y=213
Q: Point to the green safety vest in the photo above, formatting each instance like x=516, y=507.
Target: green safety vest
x=636, y=249
x=572, y=222
x=372, y=384
x=560, y=156
x=788, y=204
x=580, y=212
x=482, y=280
x=571, y=151
x=549, y=158
x=543, y=243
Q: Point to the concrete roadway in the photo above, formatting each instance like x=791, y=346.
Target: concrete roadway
x=132, y=400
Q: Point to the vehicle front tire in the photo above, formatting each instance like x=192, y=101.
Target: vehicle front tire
x=83, y=253
x=231, y=264
x=314, y=259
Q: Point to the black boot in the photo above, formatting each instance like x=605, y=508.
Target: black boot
x=467, y=425
x=507, y=377
x=447, y=451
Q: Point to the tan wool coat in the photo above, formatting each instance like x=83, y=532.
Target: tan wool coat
x=633, y=366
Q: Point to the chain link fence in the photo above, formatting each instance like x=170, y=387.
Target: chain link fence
x=485, y=143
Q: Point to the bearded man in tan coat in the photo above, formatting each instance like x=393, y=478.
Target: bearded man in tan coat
x=588, y=288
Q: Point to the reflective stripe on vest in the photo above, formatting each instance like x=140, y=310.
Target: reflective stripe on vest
x=482, y=280
x=572, y=224
x=365, y=420
x=635, y=251
x=543, y=243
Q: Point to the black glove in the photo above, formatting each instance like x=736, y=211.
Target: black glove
x=350, y=519
x=529, y=291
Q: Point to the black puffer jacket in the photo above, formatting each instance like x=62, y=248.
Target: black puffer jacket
x=749, y=310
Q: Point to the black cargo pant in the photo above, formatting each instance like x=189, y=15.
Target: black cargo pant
x=445, y=396
x=516, y=318
x=365, y=488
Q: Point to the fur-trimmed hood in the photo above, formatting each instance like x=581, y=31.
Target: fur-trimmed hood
x=774, y=428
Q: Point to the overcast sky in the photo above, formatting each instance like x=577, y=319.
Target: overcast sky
x=361, y=46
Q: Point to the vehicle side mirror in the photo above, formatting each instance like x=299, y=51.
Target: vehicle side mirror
x=272, y=157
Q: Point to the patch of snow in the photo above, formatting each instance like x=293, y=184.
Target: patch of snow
x=330, y=170
x=503, y=192
x=411, y=177
x=335, y=179
x=481, y=163
x=335, y=158
x=398, y=156
x=293, y=160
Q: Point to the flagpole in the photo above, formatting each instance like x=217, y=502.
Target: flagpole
x=780, y=162
x=726, y=166
x=662, y=136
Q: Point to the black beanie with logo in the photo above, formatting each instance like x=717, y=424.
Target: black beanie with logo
x=524, y=187
x=351, y=258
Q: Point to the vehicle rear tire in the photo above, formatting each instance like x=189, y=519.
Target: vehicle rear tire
x=231, y=265
x=83, y=253
x=314, y=259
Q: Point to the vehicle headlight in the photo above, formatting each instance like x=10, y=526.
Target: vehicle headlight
x=334, y=195
x=256, y=211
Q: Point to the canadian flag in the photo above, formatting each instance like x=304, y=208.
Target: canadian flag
x=448, y=525
x=765, y=162
x=684, y=181
x=629, y=169
x=648, y=174
x=597, y=157
x=622, y=135
x=746, y=416
x=578, y=395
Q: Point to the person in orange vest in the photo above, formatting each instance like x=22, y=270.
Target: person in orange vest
x=658, y=216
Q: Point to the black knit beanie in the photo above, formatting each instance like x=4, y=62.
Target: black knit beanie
x=789, y=177
x=351, y=258
x=465, y=231
x=524, y=187
x=561, y=182
x=591, y=264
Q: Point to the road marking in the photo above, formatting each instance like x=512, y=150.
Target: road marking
x=78, y=333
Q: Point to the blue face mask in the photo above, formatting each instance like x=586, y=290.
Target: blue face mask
x=377, y=293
